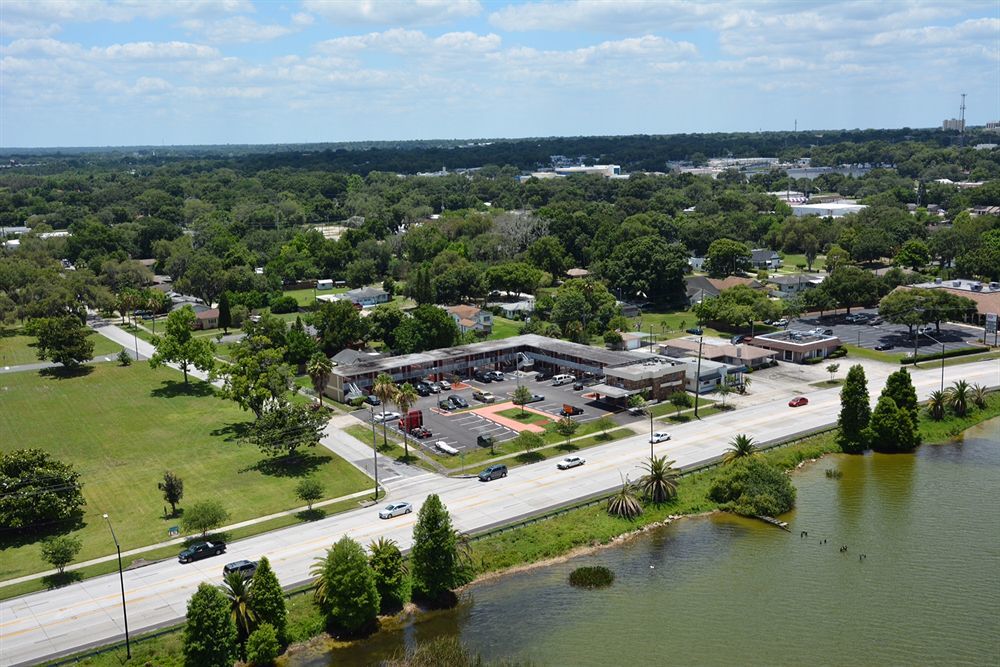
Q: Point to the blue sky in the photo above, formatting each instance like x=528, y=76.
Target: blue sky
x=96, y=72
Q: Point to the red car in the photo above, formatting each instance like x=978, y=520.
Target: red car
x=798, y=402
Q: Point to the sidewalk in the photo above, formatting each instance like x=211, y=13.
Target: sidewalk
x=182, y=540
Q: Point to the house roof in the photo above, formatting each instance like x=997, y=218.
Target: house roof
x=467, y=323
x=748, y=352
x=208, y=314
x=795, y=279
x=987, y=301
x=347, y=357
x=732, y=281
x=464, y=311
x=763, y=254
x=700, y=286
x=367, y=291
x=577, y=273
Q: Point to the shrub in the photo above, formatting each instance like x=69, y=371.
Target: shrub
x=263, y=646
x=284, y=304
x=124, y=358
x=268, y=600
x=753, y=487
x=937, y=355
x=60, y=551
x=346, y=590
x=210, y=631
x=204, y=516
x=591, y=577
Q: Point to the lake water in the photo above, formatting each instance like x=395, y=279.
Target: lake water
x=729, y=591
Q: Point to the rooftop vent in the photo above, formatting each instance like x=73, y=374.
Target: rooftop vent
x=977, y=287
x=957, y=283
x=994, y=285
x=937, y=281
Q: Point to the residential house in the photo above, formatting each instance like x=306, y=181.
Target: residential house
x=702, y=287
x=746, y=356
x=367, y=296
x=470, y=318
x=762, y=258
x=207, y=318
x=789, y=286
x=517, y=310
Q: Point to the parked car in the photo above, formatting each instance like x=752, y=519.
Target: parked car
x=200, y=550
x=435, y=387
x=445, y=404
x=445, y=385
x=458, y=401
x=570, y=410
x=570, y=462
x=660, y=436
x=420, y=432
x=372, y=399
x=739, y=338
x=497, y=376
x=484, y=396
x=482, y=376
x=875, y=321
x=827, y=332
x=561, y=379
x=780, y=323
x=378, y=417
x=423, y=389
x=881, y=347
x=395, y=509
x=798, y=401
x=493, y=472
x=578, y=385
x=543, y=376
x=535, y=398
x=244, y=567
x=697, y=331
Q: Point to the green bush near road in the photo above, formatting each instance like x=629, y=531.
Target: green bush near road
x=121, y=428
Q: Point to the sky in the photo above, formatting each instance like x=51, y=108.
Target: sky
x=135, y=72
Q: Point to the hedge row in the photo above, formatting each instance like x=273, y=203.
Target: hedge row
x=961, y=352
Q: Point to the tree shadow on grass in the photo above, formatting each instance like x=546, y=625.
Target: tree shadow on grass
x=13, y=538
x=530, y=457
x=61, y=579
x=679, y=419
x=232, y=431
x=296, y=465
x=64, y=373
x=173, y=388
x=315, y=514
x=567, y=448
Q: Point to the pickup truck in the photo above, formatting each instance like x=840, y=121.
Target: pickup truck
x=200, y=550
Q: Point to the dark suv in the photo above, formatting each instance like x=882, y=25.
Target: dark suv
x=493, y=472
x=244, y=567
x=200, y=550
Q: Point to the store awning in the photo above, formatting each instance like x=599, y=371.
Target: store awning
x=612, y=392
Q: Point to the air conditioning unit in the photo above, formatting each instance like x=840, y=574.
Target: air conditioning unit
x=957, y=283
x=994, y=285
x=977, y=287
x=937, y=281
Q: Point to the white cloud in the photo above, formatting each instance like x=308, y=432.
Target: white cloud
x=399, y=41
x=87, y=11
x=393, y=12
x=235, y=30
x=27, y=28
x=302, y=19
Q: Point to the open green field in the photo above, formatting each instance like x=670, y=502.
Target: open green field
x=17, y=349
x=791, y=262
x=504, y=328
x=122, y=427
x=526, y=417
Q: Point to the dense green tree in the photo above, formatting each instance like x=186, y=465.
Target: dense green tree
x=268, y=600
x=309, y=490
x=513, y=277
x=203, y=516
x=648, y=268
x=180, y=347
x=851, y=286
x=428, y=328
x=753, y=487
x=899, y=387
x=39, y=491
x=434, y=561
x=680, y=400
x=738, y=306
x=549, y=255
x=63, y=340
x=60, y=551
x=904, y=306
x=914, y=254
x=522, y=396
x=339, y=325
x=263, y=647
x=346, y=591
x=420, y=286
x=203, y=277
x=299, y=345
x=283, y=428
x=209, y=633
x=172, y=488
x=225, y=313
x=855, y=411
x=390, y=572
x=257, y=379
x=726, y=257
x=383, y=322
x=891, y=429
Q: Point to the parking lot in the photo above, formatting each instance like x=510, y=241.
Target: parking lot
x=460, y=428
x=896, y=335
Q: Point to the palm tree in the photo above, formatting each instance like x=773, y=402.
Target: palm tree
x=319, y=369
x=624, y=504
x=978, y=395
x=659, y=484
x=385, y=389
x=958, y=397
x=740, y=447
x=404, y=399
x=724, y=390
x=237, y=587
x=937, y=404
x=745, y=384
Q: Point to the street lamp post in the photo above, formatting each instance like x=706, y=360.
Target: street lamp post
x=650, y=435
x=375, y=452
x=697, y=378
x=121, y=578
x=942, y=359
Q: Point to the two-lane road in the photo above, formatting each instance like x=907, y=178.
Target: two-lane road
x=51, y=623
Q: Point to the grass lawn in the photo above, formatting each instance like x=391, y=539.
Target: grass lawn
x=875, y=355
x=504, y=328
x=394, y=444
x=665, y=408
x=670, y=324
x=16, y=349
x=791, y=262
x=968, y=359
x=826, y=384
x=553, y=448
x=526, y=418
x=121, y=428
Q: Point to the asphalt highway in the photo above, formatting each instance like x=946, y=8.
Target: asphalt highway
x=53, y=623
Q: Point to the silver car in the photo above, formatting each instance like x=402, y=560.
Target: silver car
x=378, y=417
x=395, y=509
x=570, y=462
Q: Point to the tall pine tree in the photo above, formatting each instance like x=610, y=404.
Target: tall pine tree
x=210, y=632
x=891, y=429
x=899, y=387
x=225, y=313
x=267, y=599
x=434, y=558
x=855, y=412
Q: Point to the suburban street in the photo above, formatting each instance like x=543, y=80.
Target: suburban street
x=53, y=623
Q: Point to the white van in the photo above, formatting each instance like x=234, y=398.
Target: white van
x=558, y=380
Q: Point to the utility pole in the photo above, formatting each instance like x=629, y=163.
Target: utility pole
x=375, y=452
x=961, y=122
x=697, y=378
x=121, y=578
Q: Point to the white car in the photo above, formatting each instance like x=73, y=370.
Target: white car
x=395, y=509
x=378, y=417
x=445, y=385
x=570, y=462
x=660, y=436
